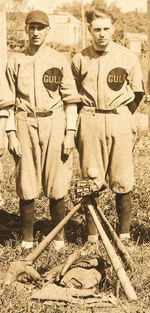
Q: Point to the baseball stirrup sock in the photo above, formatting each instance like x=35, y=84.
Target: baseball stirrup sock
x=27, y=218
x=57, y=211
x=123, y=207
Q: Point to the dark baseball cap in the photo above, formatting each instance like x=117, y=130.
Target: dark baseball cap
x=37, y=17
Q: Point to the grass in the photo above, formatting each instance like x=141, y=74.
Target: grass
x=17, y=297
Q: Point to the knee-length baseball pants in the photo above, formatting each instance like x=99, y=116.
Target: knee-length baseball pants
x=42, y=163
x=105, y=142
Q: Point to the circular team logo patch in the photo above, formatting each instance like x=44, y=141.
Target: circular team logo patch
x=116, y=78
x=52, y=78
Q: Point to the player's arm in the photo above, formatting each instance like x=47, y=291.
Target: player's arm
x=135, y=103
x=6, y=101
x=13, y=143
x=136, y=82
x=71, y=121
x=75, y=67
x=71, y=99
x=3, y=123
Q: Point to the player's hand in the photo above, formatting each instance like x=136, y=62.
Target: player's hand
x=13, y=144
x=69, y=143
x=3, y=123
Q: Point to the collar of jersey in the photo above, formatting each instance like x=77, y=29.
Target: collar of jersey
x=39, y=52
x=108, y=48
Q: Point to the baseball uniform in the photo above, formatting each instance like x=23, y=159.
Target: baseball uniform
x=42, y=85
x=106, y=83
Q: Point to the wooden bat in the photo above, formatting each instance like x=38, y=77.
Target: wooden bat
x=20, y=267
x=115, y=260
x=115, y=237
x=33, y=255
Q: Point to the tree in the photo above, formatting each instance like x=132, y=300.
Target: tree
x=136, y=22
x=73, y=8
x=99, y=4
x=13, y=5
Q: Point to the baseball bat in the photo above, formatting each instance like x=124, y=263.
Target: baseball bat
x=115, y=237
x=21, y=267
x=34, y=254
x=116, y=262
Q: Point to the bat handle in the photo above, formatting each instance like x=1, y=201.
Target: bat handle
x=34, y=254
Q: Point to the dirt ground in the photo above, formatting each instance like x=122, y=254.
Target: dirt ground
x=17, y=297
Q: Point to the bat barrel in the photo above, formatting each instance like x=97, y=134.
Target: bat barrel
x=117, y=264
x=115, y=237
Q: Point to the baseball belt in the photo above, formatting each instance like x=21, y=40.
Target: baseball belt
x=95, y=110
x=39, y=114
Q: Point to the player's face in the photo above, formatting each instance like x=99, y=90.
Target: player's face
x=37, y=33
x=101, y=30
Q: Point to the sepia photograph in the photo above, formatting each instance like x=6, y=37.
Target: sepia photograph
x=74, y=156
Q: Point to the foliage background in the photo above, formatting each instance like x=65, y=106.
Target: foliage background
x=134, y=22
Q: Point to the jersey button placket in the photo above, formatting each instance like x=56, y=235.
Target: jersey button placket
x=37, y=79
x=100, y=83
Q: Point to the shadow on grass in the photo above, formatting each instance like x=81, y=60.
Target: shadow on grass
x=9, y=223
x=75, y=232
x=140, y=233
x=43, y=227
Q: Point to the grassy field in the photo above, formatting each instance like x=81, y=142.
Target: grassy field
x=17, y=297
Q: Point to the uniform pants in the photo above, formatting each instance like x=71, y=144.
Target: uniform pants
x=42, y=162
x=104, y=142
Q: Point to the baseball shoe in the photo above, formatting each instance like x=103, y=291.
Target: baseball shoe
x=127, y=242
x=27, y=244
x=59, y=244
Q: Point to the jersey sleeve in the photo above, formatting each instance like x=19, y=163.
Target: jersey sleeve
x=136, y=80
x=75, y=66
x=11, y=76
x=68, y=90
x=6, y=97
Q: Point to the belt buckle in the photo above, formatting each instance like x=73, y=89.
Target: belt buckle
x=49, y=113
x=43, y=114
x=115, y=111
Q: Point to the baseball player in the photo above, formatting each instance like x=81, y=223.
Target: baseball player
x=109, y=80
x=42, y=136
x=6, y=101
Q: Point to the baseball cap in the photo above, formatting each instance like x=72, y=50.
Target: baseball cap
x=37, y=17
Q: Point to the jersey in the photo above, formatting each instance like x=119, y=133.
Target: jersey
x=41, y=82
x=108, y=80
